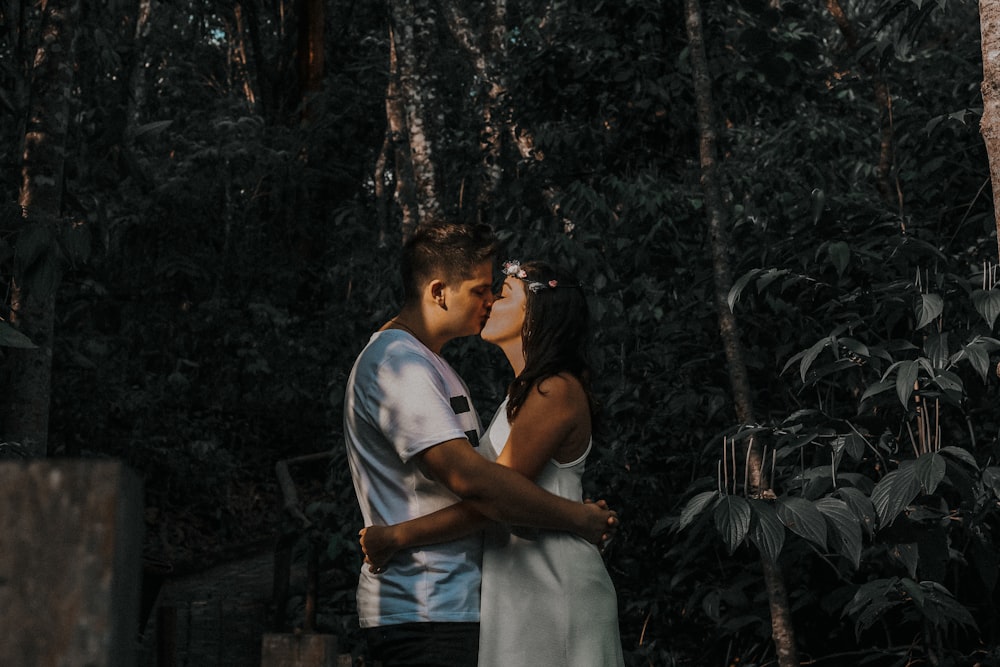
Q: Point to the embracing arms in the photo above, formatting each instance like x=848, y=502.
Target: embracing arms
x=550, y=425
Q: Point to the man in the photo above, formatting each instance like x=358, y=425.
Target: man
x=411, y=434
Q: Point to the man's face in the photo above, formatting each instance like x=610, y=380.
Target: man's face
x=469, y=301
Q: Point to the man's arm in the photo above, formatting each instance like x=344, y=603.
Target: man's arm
x=506, y=495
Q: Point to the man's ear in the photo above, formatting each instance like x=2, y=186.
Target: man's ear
x=437, y=288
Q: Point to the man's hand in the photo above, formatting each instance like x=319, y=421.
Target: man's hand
x=378, y=545
x=612, y=527
x=599, y=523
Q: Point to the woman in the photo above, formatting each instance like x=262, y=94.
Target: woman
x=547, y=598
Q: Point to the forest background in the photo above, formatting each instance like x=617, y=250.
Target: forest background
x=782, y=212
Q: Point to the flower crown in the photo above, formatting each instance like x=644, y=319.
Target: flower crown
x=513, y=269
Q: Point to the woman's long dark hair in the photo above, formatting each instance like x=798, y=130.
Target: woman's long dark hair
x=556, y=333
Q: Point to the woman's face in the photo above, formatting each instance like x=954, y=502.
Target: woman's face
x=507, y=317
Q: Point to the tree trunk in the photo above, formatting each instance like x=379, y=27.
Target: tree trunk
x=28, y=372
x=312, y=21
x=135, y=82
x=490, y=65
x=239, y=61
x=397, y=143
x=889, y=189
x=414, y=24
x=499, y=113
x=782, y=631
x=989, y=20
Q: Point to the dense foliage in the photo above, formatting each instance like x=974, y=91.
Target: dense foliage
x=233, y=268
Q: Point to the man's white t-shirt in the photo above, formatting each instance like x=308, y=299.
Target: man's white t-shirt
x=401, y=399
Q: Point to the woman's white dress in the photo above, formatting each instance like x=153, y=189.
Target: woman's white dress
x=547, y=598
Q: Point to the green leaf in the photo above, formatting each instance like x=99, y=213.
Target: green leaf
x=871, y=601
x=767, y=533
x=877, y=388
x=803, y=519
x=941, y=608
x=987, y=304
x=810, y=356
x=11, y=337
x=927, y=309
x=862, y=507
x=991, y=478
x=840, y=256
x=846, y=527
x=696, y=506
x=929, y=470
x=949, y=382
x=153, y=128
x=906, y=378
x=979, y=358
x=732, y=520
x=855, y=346
x=908, y=555
x=737, y=289
x=769, y=277
x=855, y=445
x=963, y=455
x=894, y=492
x=936, y=349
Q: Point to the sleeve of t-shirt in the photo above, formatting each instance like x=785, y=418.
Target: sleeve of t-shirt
x=415, y=411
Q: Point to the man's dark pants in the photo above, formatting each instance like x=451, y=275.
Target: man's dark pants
x=424, y=644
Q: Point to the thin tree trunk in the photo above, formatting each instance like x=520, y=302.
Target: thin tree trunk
x=135, y=81
x=260, y=65
x=398, y=143
x=312, y=23
x=489, y=63
x=414, y=23
x=238, y=56
x=499, y=114
x=782, y=631
x=989, y=20
x=28, y=372
x=890, y=191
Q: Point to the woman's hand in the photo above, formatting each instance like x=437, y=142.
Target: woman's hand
x=379, y=546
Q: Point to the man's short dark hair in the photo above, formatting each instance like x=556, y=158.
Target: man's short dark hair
x=448, y=249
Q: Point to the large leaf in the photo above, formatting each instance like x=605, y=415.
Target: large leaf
x=894, y=492
x=810, y=356
x=840, y=256
x=963, y=455
x=908, y=554
x=987, y=304
x=846, y=527
x=696, y=506
x=737, y=289
x=991, y=479
x=871, y=601
x=877, y=388
x=803, y=519
x=936, y=349
x=767, y=533
x=929, y=470
x=906, y=378
x=862, y=507
x=855, y=444
x=979, y=358
x=941, y=608
x=732, y=520
x=927, y=309
x=11, y=337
